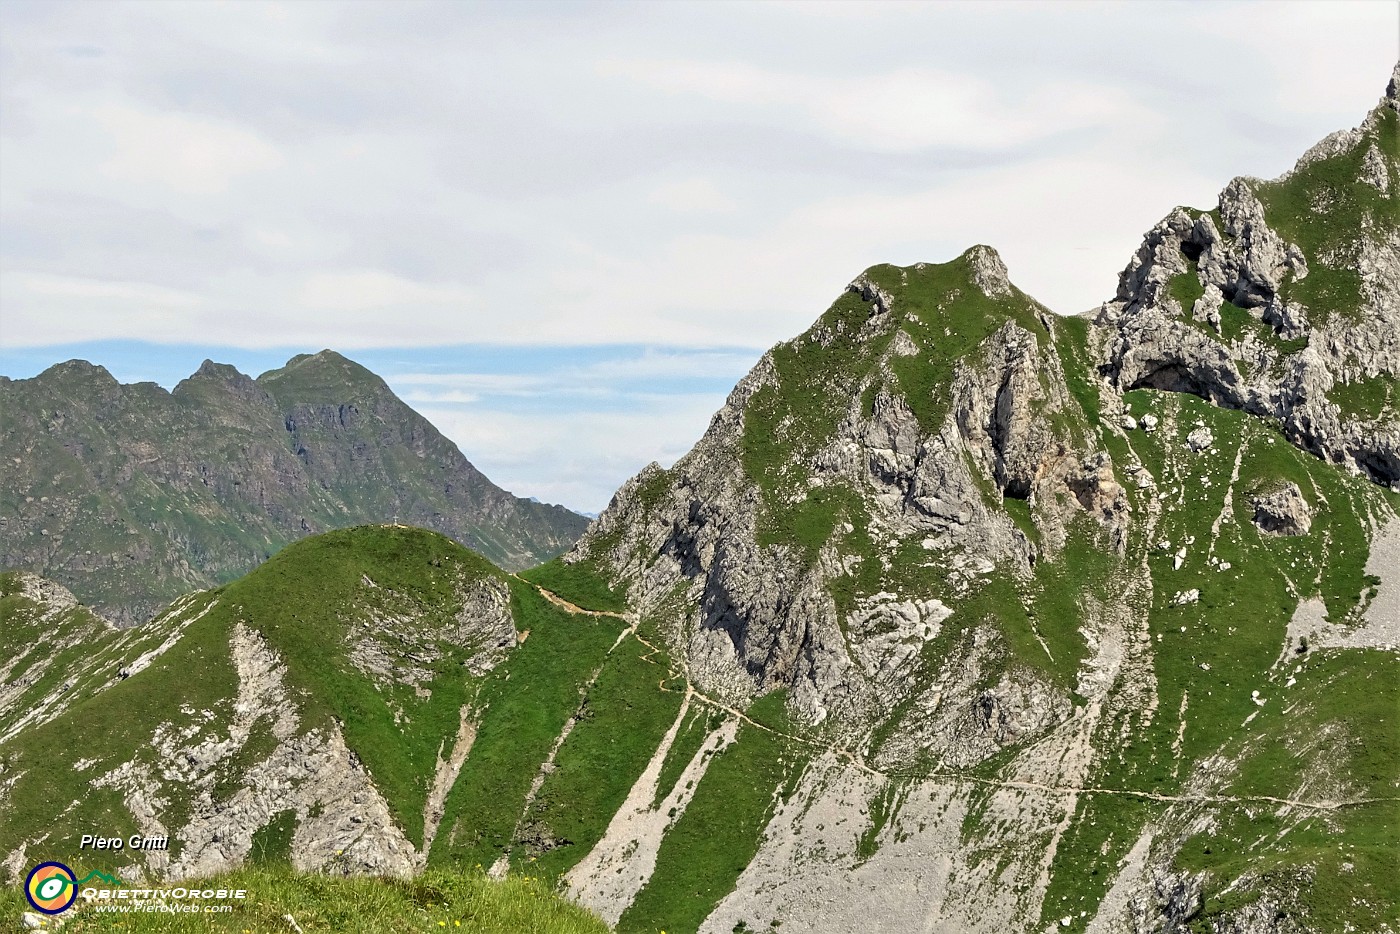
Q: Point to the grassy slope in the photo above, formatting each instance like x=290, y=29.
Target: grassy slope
x=707, y=848
x=1216, y=652
x=304, y=602
x=525, y=705
x=622, y=720
x=52, y=798
x=435, y=901
x=45, y=649
x=579, y=583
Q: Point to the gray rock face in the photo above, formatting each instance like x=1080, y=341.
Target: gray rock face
x=764, y=616
x=1278, y=329
x=1283, y=511
x=343, y=823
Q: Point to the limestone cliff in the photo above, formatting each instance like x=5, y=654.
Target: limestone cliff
x=1283, y=301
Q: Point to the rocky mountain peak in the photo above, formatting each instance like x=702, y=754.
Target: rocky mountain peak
x=80, y=370
x=219, y=371
x=322, y=361
x=988, y=271
x=323, y=378
x=218, y=377
x=1284, y=300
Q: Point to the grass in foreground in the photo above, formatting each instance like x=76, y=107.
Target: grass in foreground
x=435, y=901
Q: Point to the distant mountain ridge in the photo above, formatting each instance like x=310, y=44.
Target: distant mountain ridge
x=131, y=495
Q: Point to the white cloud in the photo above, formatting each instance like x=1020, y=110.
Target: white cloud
x=899, y=110
x=192, y=155
x=64, y=287
x=360, y=176
x=375, y=290
x=40, y=303
x=693, y=196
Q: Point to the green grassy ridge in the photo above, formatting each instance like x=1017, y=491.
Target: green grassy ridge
x=114, y=727
x=711, y=843
x=790, y=417
x=306, y=602
x=434, y=901
x=523, y=706
x=1231, y=638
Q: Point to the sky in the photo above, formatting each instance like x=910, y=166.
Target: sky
x=562, y=231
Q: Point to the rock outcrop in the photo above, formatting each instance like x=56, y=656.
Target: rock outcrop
x=1283, y=511
x=1284, y=301
x=901, y=481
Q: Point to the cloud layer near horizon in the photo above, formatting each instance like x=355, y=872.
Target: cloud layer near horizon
x=367, y=175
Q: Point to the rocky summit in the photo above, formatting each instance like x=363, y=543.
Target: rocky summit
x=133, y=496
x=960, y=617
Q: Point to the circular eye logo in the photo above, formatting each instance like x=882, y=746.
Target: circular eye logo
x=51, y=888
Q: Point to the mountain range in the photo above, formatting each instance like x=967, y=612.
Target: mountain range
x=134, y=496
x=961, y=617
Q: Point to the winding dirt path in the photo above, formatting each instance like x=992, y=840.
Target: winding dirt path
x=855, y=760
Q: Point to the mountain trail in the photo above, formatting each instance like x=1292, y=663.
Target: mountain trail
x=560, y=602
x=855, y=760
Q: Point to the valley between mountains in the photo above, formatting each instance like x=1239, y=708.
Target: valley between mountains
x=962, y=616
